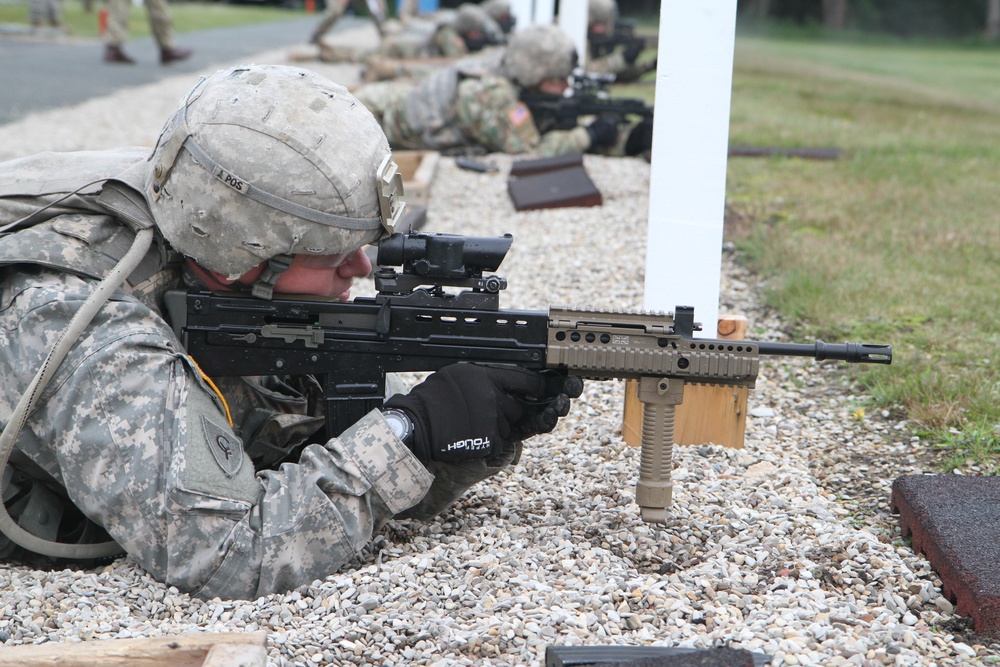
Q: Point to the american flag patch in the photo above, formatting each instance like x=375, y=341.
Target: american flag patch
x=519, y=114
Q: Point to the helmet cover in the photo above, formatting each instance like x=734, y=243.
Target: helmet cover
x=500, y=11
x=537, y=53
x=604, y=12
x=264, y=160
x=472, y=19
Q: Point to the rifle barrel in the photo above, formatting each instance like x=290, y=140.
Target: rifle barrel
x=854, y=353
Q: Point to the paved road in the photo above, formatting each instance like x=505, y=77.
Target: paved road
x=38, y=74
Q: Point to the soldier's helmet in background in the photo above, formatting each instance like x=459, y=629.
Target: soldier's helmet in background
x=263, y=160
x=499, y=11
x=604, y=12
x=477, y=27
x=537, y=53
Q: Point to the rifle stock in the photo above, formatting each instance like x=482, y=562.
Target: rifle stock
x=413, y=324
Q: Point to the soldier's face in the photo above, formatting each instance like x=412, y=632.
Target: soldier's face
x=328, y=276
x=553, y=86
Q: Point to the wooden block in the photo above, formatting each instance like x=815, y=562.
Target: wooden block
x=708, y=414
x=712, y=414
x=417, y=169
x=187, y=650
x=236, y=655
x=632, y=420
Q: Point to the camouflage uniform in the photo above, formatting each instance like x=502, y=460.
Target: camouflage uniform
x=465, y=106
x=159, y=21
x=142, y=443
x=42, y=12
x=616, y=63
x=442, y=35
x=336, y=9
x=604, y=14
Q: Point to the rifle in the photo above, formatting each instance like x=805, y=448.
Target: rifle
x=602, y=44
x=415, y=324
x=588, y=96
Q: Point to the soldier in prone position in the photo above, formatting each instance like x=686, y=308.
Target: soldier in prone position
x=611, y=52
x=267, y=180
x=418, y=46
x=474, y=105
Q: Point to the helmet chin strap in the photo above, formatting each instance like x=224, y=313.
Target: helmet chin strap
x=263, y=287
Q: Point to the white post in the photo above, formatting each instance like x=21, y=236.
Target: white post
x=573, y=19
x=532, y=12
x=687, y=188
x=523, y=11
x=545, y=12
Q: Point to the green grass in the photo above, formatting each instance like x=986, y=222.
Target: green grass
x=187, y=16
x=899, y=240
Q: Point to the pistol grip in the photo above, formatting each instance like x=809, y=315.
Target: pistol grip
x=654, y=490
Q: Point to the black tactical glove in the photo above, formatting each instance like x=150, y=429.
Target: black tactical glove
x=640, y=139
x=632, y=51
x=472, y=411
x=603, y=133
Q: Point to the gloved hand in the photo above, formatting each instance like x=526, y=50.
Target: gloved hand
x=472, y=411
x=603, y=133
x=640, y=139
x=632, y=51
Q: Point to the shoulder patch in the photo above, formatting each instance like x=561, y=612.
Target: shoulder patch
x=226, y=448
x=519, y=114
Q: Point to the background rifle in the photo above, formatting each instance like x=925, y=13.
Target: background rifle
x=588, y=96
x=601, y=44
x=415, y=324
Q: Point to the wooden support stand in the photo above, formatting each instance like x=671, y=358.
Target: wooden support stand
x=230, y=649
x=708, y=414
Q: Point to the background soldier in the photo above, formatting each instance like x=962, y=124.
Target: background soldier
x=160, y=23
x=448, y=34
x=336, y=8
x=474, y=105
x=620, y=59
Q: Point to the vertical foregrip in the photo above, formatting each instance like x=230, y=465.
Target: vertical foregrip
x=654, y=491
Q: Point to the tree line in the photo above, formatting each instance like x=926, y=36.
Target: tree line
x=904, y=18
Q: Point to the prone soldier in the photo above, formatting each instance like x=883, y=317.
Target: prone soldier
x=448, y=34
x=265, y=180
x=475, y=105
x=613, y=48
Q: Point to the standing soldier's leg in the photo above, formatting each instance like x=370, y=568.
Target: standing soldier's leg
x=376, y=9
x=55, y=13
x=334, y=10
x=163, y=31
x=117, y=32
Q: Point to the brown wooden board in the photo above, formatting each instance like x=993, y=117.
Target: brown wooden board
x=228, y=649
x=708, y=414
x=554, y=182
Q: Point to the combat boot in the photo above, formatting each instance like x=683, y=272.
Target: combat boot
x=114, y=54
x=169, y=54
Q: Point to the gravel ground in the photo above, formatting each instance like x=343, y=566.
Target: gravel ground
x=785, y=546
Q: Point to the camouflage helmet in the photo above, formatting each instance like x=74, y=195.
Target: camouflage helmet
x=472, y=19
x=537, y=53
x=500, y=11
x=261, y=162
x=603, y=11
